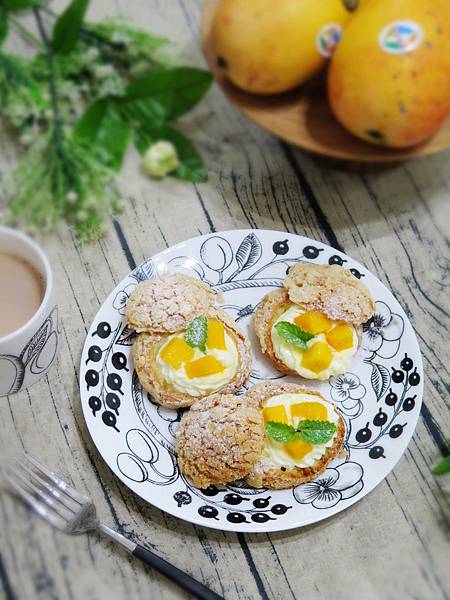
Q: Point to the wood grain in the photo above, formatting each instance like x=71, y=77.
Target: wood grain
x=303, y=117
x=392, y=544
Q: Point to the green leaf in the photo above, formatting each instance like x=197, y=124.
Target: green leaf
x=196, y=333
x=442, y=467
x=316, y=432
x=3, y=24
x=103, y=128
x=191, y=167
x=16, y=5
x=280, y=432
x=67, y=28
x=293, y=334
x=171, y=91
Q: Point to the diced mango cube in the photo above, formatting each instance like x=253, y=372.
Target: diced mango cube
x=275, y=413
x=318, y=357
x=313, y=322
x=216, y=336
x=314, y=411
x=176, y=352
x=340, y=337
x=206, y=365
x=297, y=449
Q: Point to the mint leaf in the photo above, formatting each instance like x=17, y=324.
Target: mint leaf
x=280, y=432
x=442, y=467
x=316, y=432
x=67, y=28
x=293, y=334
x=105, y=131
x=196, y=333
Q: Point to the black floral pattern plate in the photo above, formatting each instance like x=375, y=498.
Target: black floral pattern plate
x=379, y=398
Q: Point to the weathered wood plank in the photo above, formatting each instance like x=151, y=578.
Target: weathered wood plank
x=395, y=222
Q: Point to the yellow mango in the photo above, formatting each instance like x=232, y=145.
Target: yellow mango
x=340, y=337
x=216, y=336
x=206, y=365
x=388, y=81
x=176, y=352
x=318, y=357
x=313, y=322
x=309, y=410
x=297, y=449
x=275, y=413
x=267, y=47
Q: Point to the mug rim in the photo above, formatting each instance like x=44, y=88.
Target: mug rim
x=25, y=239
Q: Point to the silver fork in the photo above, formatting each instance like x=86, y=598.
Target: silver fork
x=72, y=512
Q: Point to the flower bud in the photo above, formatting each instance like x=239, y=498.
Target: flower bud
x=160, y=159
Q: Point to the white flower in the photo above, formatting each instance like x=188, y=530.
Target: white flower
x=103, y=71
x=26, y=139
x=82, y=216
x=71, y=197
x=120, y=37
x=160, y=159
x=91, y=54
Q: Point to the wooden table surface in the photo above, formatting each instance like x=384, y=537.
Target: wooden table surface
x=396, y=221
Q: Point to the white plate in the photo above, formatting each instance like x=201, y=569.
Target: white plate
x=380, y=397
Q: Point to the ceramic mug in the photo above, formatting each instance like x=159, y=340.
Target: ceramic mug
x=27, y=353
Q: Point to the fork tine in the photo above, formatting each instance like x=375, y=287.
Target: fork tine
x=61, y=496
x=56, y=506
x=62, y=485
x=35, y=505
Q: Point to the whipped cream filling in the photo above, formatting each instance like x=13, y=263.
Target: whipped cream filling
x=200, y=386
x=275, y=453
x=292, y=356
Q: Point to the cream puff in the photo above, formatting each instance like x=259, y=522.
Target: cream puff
x=187, y=347
x=290, y=462
x=220, y=439
x=312, y=326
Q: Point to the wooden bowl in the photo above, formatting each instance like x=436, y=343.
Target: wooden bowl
x=303, y=116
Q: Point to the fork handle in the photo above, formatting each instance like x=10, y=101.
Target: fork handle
x=184, y=580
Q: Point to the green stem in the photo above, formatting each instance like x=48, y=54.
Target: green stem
x=26, y=33
x=57, y=132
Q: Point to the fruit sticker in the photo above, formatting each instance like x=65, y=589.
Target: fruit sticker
x=328, y=38
x=401, y=37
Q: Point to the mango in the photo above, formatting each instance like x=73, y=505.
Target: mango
x=340, y=337
x=267, y=47
x=318, y=357
x=297, y=449
x=388, y=81
x=216, y=336
x=275, y=413
x=176, y=352
x=202, y=367
x=313, y=322
x=314, y=411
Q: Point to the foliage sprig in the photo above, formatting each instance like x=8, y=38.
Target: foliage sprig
x=89, y=90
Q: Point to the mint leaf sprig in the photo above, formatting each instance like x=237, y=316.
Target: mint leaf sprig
x=196, y=333
x=293, y=334
x=444, y=466
x=310, y=431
